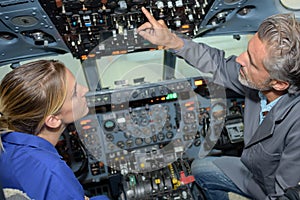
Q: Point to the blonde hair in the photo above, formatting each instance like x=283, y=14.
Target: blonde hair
x=29, y=93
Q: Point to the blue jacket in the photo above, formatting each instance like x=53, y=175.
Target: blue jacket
x=32, y=165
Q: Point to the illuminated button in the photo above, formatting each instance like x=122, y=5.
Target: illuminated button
x=198, y=82
x=83, y=122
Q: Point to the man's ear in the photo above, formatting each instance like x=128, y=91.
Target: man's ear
x=53, y=121
x=280, y=85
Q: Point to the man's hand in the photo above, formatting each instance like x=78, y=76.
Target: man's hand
x=157, y=32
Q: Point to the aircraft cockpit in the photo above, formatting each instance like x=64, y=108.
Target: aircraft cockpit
x=151, y=113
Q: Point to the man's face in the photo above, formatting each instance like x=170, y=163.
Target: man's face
x=252, y=72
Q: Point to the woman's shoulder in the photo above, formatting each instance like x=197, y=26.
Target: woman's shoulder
x=26, y=148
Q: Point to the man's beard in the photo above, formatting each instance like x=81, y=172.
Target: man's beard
x=262, y=87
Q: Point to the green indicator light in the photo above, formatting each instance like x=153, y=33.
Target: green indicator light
x=171, y=96
x=132, y=181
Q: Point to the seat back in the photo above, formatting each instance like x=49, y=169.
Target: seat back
x=12, y=194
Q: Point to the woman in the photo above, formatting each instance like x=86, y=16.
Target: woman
x=37, y=101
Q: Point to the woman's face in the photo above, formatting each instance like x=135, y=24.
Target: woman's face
x=75, y=105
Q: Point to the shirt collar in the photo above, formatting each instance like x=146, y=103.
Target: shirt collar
x=25, y=139
x=265, y=107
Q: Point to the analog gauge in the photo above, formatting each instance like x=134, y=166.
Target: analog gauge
x=189, y=117
x=109, y=137
x=146, y=131
x=169, y=135
x=121, y=144
x=111, y=146
x=148, y=140
x=185, y=129
x=139, y=141
x=144, y=121
x=160, y=136
x=109, y=125
x=127, y=134
x=129, y=143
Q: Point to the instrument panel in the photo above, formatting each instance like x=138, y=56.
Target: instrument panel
x=92, y=29
x=138, y=141
x=150, y=133
x=146, y=127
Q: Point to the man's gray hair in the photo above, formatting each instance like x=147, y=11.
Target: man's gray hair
x=281, y=34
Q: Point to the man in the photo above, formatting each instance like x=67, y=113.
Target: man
x=267, y=74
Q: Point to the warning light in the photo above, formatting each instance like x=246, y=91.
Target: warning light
x=92, y=55
x=84, y=57
x=198, y=82
x=185, y=26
